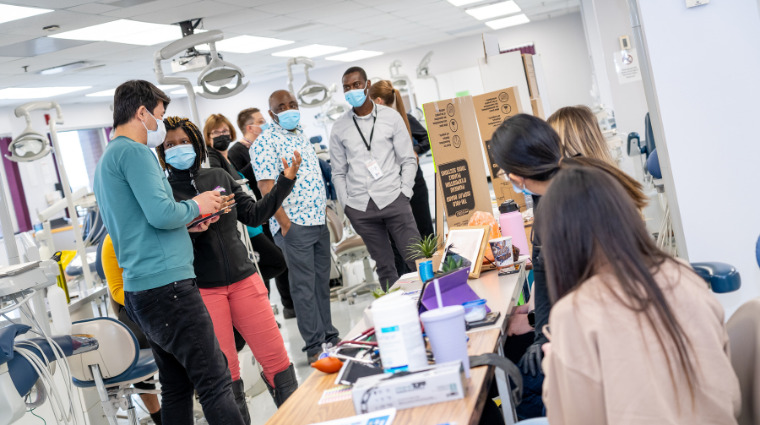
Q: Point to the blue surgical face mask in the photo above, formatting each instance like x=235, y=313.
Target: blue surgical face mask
x=356, y=98
x=181, y=157
x=289, y=119
x=524, y=189
x=264, y=127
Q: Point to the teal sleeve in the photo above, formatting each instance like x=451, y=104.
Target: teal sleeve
x=148, y=185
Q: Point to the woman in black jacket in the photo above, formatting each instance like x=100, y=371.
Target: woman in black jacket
x=231, y=288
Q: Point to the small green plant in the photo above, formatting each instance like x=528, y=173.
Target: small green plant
x=451, y=264
x=423, y=248
x=378, y=292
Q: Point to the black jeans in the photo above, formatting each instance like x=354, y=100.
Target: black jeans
x=187, y=354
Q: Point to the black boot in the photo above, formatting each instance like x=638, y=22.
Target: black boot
x=285, y=384
x=238, y=390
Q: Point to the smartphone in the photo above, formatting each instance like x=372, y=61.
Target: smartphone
x=210, y=216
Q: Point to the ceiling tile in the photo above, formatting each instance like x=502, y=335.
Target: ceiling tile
x=39, y=46
x=195, y=10
x=93, y=8
x=65, y=19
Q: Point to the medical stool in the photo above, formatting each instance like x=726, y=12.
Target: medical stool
x=113, y=367
x=348, y=250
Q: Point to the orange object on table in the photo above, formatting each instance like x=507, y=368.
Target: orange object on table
x=327, y=364
x=482, y=218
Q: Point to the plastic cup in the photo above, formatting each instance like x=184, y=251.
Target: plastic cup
x=445, y=329
x=426, y=270
x=502, y=252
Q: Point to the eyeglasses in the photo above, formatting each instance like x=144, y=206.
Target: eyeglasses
x=215, y=133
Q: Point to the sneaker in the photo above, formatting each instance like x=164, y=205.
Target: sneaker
x=288, y=313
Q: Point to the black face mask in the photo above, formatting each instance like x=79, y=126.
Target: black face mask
x=221, y=143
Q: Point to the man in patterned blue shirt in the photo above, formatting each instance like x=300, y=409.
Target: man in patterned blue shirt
x=299, y=227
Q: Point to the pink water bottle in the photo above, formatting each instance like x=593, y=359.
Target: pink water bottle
x=511, y=222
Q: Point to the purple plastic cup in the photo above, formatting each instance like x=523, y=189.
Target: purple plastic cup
x=445, y=329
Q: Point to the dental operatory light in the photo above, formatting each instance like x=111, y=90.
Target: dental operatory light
x=218, y=80
x=494, y=10
x=423, y=72
x=399, y=81
x=31, y=145
x=311, y=94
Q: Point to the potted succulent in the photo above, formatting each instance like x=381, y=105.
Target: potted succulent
x=425, y=249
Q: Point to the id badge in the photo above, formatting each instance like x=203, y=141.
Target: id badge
x=374, y=169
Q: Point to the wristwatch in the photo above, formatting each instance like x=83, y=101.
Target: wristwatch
x=532, y=318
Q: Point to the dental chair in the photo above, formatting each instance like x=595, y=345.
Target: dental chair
x=348, y=249
x=744, y=335
x=113, y=367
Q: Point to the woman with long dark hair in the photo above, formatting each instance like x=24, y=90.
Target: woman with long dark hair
x=636, y=335
x=529, y=153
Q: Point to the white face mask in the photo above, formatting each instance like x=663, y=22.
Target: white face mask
x=157, y=136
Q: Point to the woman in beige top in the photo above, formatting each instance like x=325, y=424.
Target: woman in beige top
x=636, y=336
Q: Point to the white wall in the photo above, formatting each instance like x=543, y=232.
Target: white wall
x=704, y=64
x=559, y=41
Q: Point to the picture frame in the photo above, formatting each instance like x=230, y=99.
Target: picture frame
x=468, y=241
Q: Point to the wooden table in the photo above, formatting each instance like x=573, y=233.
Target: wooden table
x=501, y=292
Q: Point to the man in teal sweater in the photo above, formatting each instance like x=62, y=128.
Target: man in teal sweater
x=149, y=234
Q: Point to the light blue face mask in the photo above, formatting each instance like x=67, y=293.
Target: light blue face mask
x=289, y=119
x=264, y=127
x=180, y=157
x=356, y=98
x=524, y=189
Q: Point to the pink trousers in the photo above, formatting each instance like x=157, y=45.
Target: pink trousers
x=245, y=305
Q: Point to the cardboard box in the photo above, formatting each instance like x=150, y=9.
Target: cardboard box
x=538, y=107
x=460, y=169
x=530, y=75
x=440, y=383
x=491, y=109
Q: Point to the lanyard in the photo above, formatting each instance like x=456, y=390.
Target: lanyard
x=372, y=133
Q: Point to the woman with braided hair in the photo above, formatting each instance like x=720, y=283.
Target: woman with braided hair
x=230, y=286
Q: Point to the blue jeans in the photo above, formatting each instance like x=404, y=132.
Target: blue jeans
x=187, y=354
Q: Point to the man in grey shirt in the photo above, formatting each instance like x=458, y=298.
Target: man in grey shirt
x=373, y=169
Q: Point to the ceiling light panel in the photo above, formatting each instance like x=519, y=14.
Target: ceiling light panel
x=354, y=56
x=494, y=10
x=10, y=13
x=110, y=92
x=310, y=51
x=463, y=2
x=249, y=44
x=37, y=92
x=124, y=31
x=510, y=21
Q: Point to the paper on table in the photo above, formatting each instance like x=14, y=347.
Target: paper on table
x=379, y=417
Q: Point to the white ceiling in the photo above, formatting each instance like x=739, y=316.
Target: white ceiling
x=383, y=25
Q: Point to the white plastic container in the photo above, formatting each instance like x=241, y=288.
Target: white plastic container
x=59, y=311
x=398, y=333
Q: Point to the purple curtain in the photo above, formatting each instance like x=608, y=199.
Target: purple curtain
x=16, y=188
